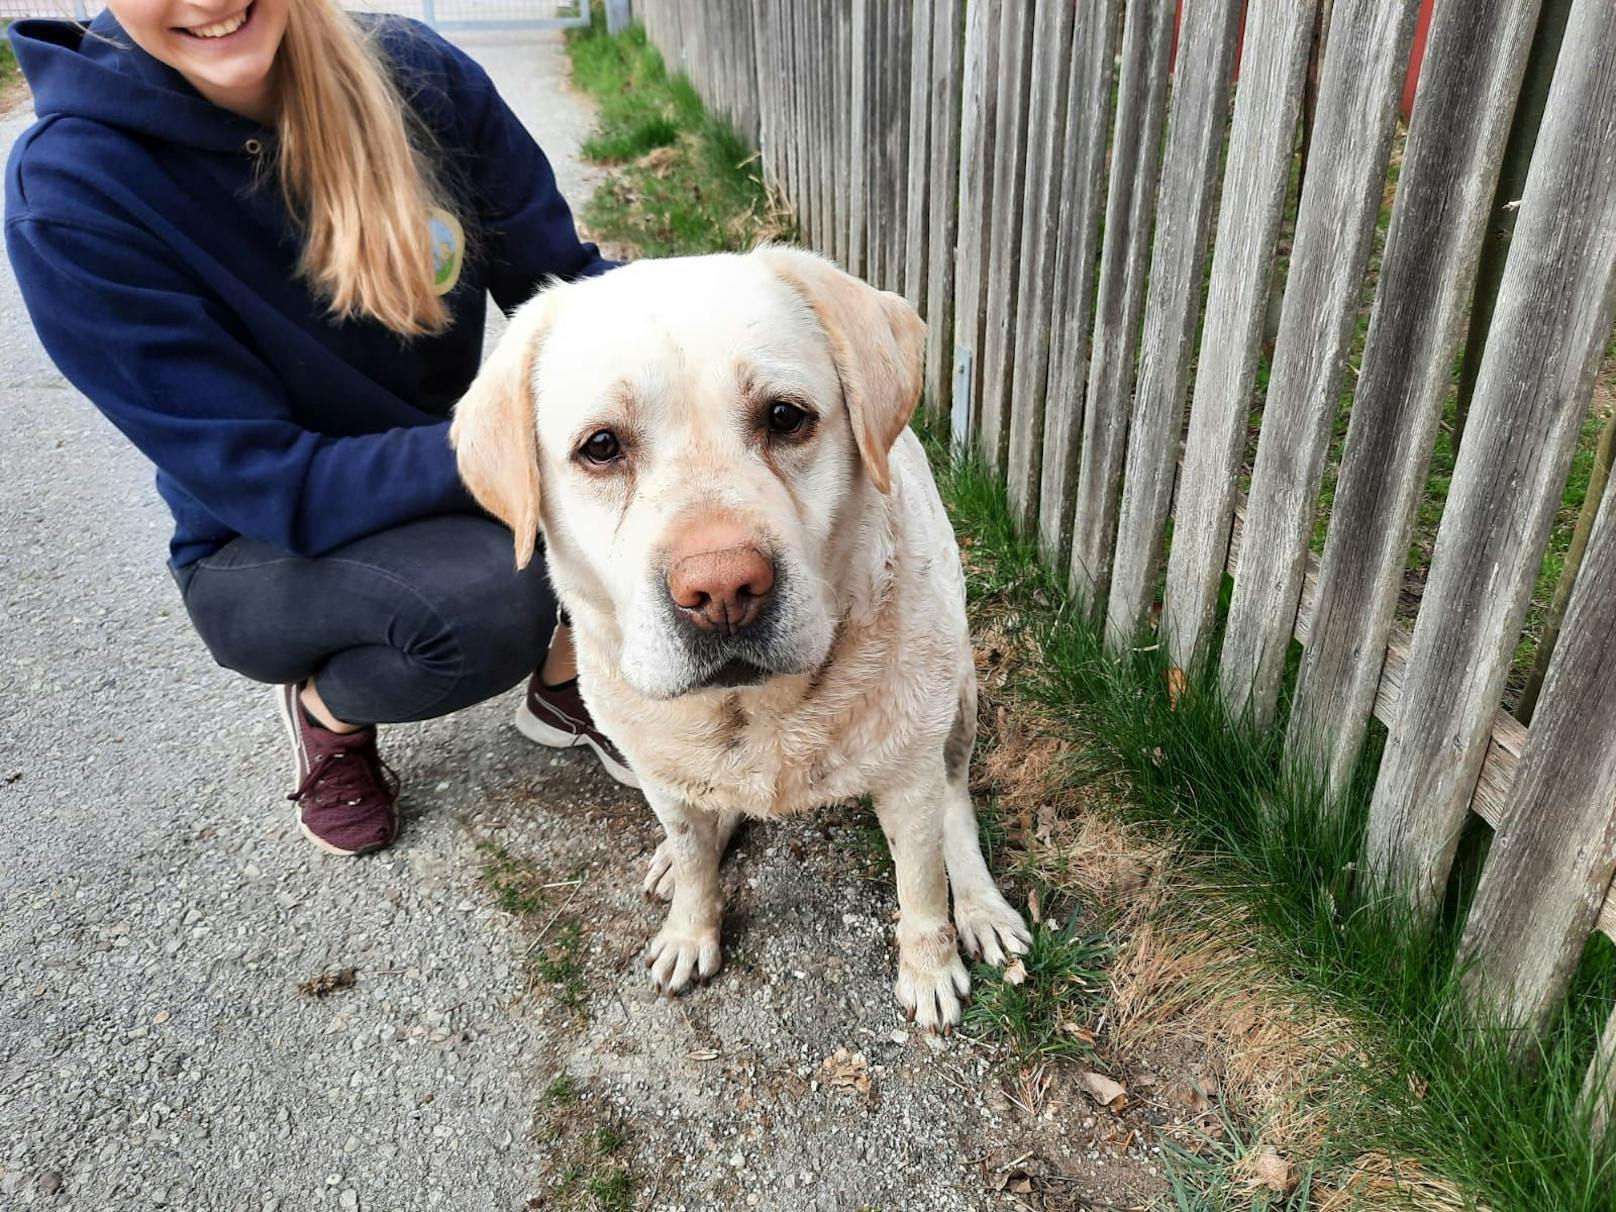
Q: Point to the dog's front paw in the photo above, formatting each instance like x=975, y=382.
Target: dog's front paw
x=932, y=982
x=679, y=955
x=659, y=875
x=989, y=929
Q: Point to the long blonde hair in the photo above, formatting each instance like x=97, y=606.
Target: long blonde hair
x=357, y=171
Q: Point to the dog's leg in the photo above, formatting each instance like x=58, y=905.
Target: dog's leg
x=687, y=946
x=989, y=929
x=659, y=876
x=931, y=979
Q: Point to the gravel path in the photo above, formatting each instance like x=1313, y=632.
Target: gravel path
x=158, y=912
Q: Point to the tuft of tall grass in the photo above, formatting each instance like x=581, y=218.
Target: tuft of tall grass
x=685, y=182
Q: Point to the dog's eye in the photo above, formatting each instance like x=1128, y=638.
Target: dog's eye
x=786, y=418
x=602, y=447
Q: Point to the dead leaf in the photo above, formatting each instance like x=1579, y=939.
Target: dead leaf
x=851, y=1071
x=1014, y=1180
x=1176, y=683
x=1418, y=1085
x=1046, y=822
x=1015, y=972
x=1276, y=1172
x=703, y=1054
x=326, y=983
x=1035, y=907
x=659, y=160
x=1109, y=1094
x=1081, y=1032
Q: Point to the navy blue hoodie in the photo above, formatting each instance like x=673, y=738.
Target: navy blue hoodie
x=158, y=263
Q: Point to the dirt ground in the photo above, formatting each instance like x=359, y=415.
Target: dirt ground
x=792, y=1081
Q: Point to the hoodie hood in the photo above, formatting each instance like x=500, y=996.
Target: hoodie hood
x=97, y=72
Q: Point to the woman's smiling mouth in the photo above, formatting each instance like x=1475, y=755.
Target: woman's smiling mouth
x=219, y=29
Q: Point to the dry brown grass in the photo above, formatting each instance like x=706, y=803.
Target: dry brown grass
x=1188, y=981
x=1378, y=1181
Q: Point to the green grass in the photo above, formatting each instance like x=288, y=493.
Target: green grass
x=687, y=183
x=1201, y=1180
x=517, y=884
x=1047, y=1013
x=520, y=887
x=1518, y=1139
x=585, y=1160
x=562, y=1092
x=559, y=964
x=8, y=60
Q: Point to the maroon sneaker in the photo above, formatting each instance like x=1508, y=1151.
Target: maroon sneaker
x=555, y=716
x=346, y=796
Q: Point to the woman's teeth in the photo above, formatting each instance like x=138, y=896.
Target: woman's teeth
x=220, y=29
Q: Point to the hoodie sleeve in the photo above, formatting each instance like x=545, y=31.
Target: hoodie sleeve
x=169, y=367
x=526, y=224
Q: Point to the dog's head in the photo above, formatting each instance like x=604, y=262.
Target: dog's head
x=698, y=438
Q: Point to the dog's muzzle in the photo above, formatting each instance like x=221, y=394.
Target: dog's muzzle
x=726, y=613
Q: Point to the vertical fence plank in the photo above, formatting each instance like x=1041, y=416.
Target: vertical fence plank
x=807, y=176
x=1082, y=192
x=978, y=119
x=765, y=93
x=1551, y=862
x=1189, y=183
x=824, y=107
x=1135, y=154
x=786, y=66
x=752, y=123
x=1554, y=312
x=896, y=67
x=841, y=84
x=807, y=196
x=917, y=176
x=1004, y=248
x=1028, y=371
x=858, y=151
x=807, y=191
x=877, y=235
x=1468, y=85
x=774, y=127
x=943, y=206
x=1365, y=64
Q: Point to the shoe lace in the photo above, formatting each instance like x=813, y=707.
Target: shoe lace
x=344, y=776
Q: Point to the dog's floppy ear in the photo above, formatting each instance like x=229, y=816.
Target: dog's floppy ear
x=878, y=342
x=493, y=432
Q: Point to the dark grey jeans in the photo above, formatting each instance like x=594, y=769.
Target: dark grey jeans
x=407, y=624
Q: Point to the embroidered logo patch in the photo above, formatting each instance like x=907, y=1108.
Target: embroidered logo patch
x=448, y=249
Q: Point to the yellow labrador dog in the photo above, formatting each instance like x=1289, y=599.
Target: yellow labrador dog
x=765, y=592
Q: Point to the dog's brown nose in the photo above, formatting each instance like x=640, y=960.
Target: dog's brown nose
x=722, y=590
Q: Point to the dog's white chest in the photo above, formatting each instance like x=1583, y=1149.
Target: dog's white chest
x=760, y=760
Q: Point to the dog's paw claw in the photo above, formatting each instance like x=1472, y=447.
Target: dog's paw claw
x=658, y=884
x=933, y=998
x=678, y=958
x=990, y=930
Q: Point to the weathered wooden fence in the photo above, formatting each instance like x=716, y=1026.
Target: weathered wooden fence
x=1087, y=210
